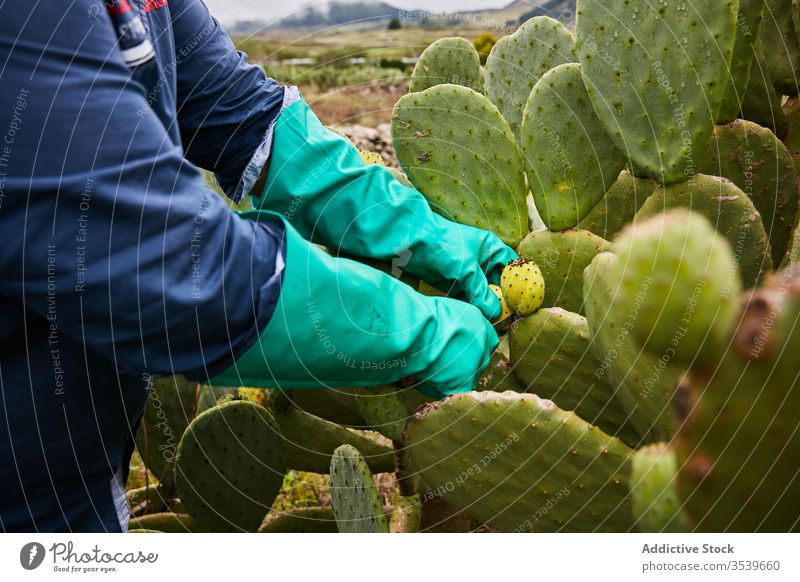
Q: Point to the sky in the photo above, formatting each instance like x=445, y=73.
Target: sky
x=229, y=11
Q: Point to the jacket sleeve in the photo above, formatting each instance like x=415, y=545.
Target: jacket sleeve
x=109, y=234
x=226, y=107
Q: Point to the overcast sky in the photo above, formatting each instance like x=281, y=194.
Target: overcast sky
x=229, y=11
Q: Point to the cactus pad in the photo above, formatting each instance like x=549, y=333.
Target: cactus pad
x=355, y=499
x=523, y=286
x=760, y=165
x=618, y=206
x=562, y=257
x=519, y=60
x=570, y=159
x=163, y=523
x=781, y=45
x=730, y=211
x=302, y=520
x=450, y=60
x=459, y=152
x=762, y=103
x=230, y=467
x=656, y=504
x=635, y=57
x=387, y=409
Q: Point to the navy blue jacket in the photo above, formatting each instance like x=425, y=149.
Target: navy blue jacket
x=117, y=262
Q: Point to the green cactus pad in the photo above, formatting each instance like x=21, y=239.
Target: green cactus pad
x=748, y=29
x=519, y=60
x=562, y=257
x=656, y=504
x=762, y=104
x=310, y=441
x=618, y=206
x=459, y=152
x=230, y=467
x=656, y=74
x=171, y=404
x=760, y=165
x=143, y=531
x=739, y=446
x=553, y=358
x=406, y=515
x=781, y=45
x=643, y=383
x=356, y=504
x=210, y=395
x=791, y=138
x=499, y=376
x=518, y=463
x=571, y=161
x=732, y=213
x=302, y=520
x=679, y=278
x=387, y=409
x=163, y=523
x=451, y=60
x=339, y=405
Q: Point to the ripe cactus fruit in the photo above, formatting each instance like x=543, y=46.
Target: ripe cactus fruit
x=644, y=383
x=552, y=358
x=562, y=257
x=459, y=152
x=302, y=520
x=656, y=504
x=571, y=161
x=762, y=103
x=523, y=286
x=506, y=312
x=739, y=441
x=618, y=206
x=639, y=86
x=760, y=165
x=781, y=45
x=451, y=60
x=230, y=467
x=748, y=29
x=678, y=275
x=729, y=210
x=171, y=405
x=519, y=463
x=519, y=60
x=356, y=504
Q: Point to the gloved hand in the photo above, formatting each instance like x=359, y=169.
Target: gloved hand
x=319, y=182
x=340, y=323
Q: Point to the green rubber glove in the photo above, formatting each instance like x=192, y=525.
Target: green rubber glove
x=340, y=323
x=319, y=182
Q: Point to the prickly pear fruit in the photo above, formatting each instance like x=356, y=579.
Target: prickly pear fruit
x=506, y=312
x=372, y=158
x=356, y=504
x=451, y=60
x=678, y=276
x=635, y=74
x=519, y=60
x=523, y=286
x=571, y=161
x=460, y=153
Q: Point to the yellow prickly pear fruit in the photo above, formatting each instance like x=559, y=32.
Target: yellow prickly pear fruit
x=506, y=313
x=255, y=395
x=371, y=158
x=523, y=286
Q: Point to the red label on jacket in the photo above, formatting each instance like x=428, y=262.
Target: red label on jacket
x=153, y=4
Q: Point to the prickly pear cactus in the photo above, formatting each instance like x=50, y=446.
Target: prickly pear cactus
x=356, y=504
x=505, y=310
x=570, y=159
x=523, y=286
x=739, y=440
x=171, y=405
x=562, y=257
x=518, y=463
x=450, y=60
x=230, y=467
x=754, y=159
x=643, y=383
x=499, y=375
x=656, y=504
x=791, y=139
x=781, y=45
x=762, y=104
x=679, y=278
x=302, y=520
x=731, y=212
x=618, y=207
x=162, y=523
x=639, y=86
x=519, y=60
x=388, y=408
x=406, y=515
x=552, y=356
x=459, y=152
x=748, y=29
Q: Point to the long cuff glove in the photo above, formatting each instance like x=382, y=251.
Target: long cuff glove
x=340, y=323
x=319, y=182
